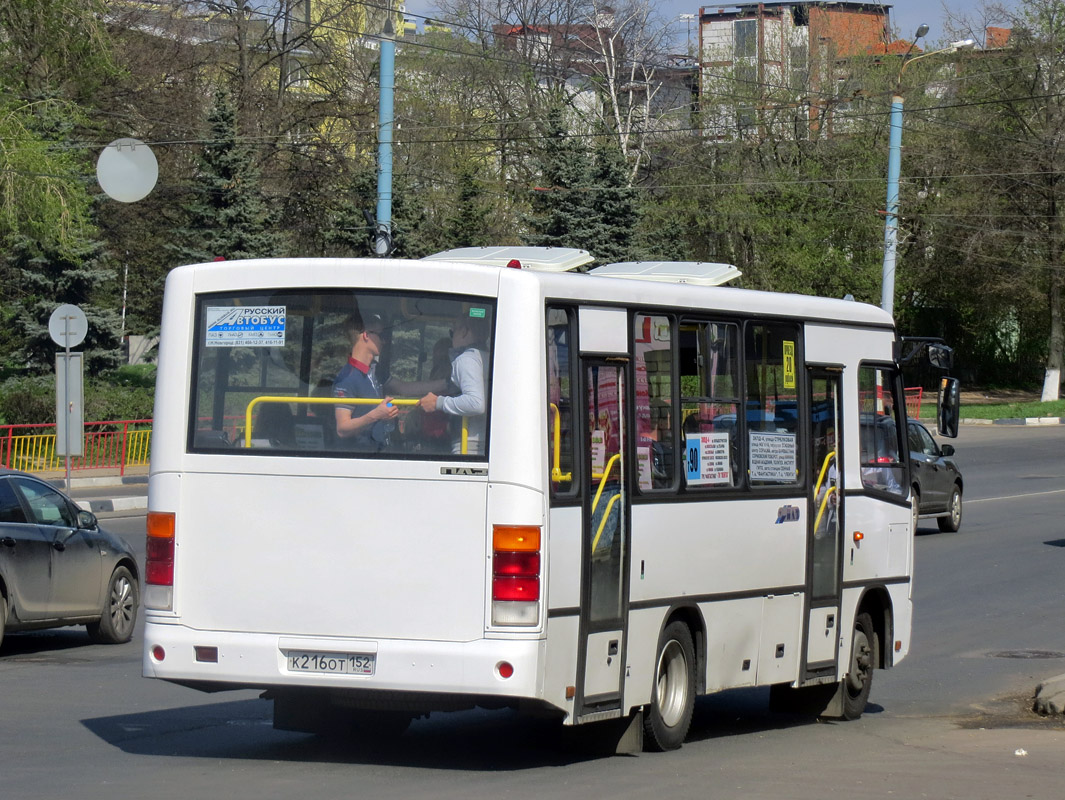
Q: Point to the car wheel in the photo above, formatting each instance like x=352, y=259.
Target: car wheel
x=666, y=722
x=915, y=507
x=951, y=522
x=120, y=610
x=859, y=679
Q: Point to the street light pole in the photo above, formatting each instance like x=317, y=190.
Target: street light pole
x=891, y=219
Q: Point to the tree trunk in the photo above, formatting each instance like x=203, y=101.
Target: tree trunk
x=1056, y=349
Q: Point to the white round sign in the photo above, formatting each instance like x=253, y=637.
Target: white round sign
x=68, y=326
x=127, y=170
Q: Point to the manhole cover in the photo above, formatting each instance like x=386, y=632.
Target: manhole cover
x=1026, y=654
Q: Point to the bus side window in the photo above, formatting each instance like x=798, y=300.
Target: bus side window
x=560, y=384
x=709, y=389
x=772, y=403
x=655, y=442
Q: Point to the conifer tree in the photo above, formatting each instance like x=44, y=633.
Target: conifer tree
x=230, y=217
x=560, y=213
x=612, y=204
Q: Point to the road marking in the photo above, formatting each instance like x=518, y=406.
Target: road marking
x=1015, y=496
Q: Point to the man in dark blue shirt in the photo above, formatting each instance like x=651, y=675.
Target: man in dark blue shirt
x=365, y=426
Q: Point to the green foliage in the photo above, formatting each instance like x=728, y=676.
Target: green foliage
x=31, y=400
x=559, y=216
x=230, y=217
x=612, y=204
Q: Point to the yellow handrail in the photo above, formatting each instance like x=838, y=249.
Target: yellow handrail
x=603, y=477
x=556, y=466
x=602, y=522
x=824, y=502
x=824, y=468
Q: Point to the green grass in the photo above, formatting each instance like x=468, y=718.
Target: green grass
x=1055, y=408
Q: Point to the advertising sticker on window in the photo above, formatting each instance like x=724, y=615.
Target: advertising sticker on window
x=707, y=459
x=773, y=457
x=252, y=326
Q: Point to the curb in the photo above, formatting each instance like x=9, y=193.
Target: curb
x=1016, y=421
x=114, y=504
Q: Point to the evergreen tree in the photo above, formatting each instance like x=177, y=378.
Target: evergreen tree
x=560, y=213
x=230, y=218
x=613, y=204
x=468, y=225
x=50, y=276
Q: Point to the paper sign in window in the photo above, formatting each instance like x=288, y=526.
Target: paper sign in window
x=772, y=457
x=706, y=459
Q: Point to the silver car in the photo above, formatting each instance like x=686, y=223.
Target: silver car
x=59, y=567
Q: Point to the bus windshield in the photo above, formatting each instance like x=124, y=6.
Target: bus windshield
x=341, y=373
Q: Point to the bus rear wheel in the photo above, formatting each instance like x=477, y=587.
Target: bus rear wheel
x=666, y=722
x=859, y=679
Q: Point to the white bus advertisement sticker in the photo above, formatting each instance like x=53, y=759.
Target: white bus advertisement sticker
x=707, y=459
x=772, y=457
x=252, y=326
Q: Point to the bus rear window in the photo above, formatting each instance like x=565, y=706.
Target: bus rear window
x=342, y=373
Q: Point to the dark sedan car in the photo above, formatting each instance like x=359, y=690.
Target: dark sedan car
x=59, y=567
x=937, y=482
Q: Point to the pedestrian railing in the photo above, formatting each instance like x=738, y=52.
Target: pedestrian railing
x=117, y=444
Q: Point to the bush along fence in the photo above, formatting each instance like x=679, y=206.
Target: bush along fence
x=106, y=445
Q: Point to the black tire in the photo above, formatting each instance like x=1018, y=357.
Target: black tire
x=119, y=615
x=667, y=719
x=3, y=618
x=952, y=522
x=858, y=681
x=915, y=508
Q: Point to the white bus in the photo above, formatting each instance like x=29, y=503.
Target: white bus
x=676, y=489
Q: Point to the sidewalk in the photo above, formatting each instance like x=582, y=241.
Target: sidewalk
x=105, y=490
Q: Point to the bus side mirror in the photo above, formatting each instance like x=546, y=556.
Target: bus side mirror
x=948, y=407
x=941, y=356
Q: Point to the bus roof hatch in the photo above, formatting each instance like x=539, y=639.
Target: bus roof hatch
x=700, y=273
x=542, y=259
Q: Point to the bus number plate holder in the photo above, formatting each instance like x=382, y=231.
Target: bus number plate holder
x=332, y=663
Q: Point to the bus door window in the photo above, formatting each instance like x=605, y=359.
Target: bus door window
x=880, y=428
x=828, y=483
x=655, y=442
x=772, y=406
x=709, y=396
x=605, y=529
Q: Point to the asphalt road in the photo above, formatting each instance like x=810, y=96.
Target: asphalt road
x=950, y=721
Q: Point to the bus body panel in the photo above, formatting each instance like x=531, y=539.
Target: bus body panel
x=680, y=549
x=258, y=660
x=360, y=559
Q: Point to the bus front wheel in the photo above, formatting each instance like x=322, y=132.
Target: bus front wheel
x=666, y=722
x=859, y=679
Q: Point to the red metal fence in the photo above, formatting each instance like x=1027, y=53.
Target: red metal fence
x=106, y=445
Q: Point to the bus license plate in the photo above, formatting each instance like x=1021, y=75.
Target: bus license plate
x=333, y=663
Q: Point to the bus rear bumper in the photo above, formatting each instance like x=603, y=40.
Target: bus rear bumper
x=214, y=660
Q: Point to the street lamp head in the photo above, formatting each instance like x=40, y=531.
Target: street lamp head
x=922, y=31
x=963, y=44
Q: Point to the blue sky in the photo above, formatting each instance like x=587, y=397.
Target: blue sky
x=906, y=14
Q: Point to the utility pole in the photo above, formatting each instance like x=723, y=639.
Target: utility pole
x=385, y=121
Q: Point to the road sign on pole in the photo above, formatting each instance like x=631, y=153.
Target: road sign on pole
x=70, y=406
x=68, y=327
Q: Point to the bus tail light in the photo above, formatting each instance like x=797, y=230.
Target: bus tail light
x=159, y=561
x=516, y=575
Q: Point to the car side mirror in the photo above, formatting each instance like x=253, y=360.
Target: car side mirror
x=86, y=520
x=947, y=449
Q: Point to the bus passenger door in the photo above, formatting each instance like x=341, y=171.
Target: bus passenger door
x=604, y=588
x=825, y=524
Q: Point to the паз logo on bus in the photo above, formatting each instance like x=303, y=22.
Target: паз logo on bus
x=787, y=514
